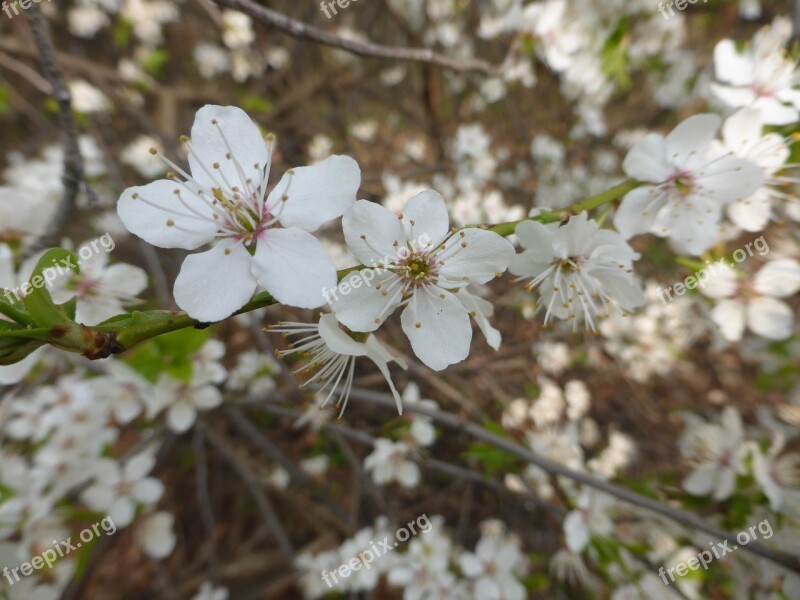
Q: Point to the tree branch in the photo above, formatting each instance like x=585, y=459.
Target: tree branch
x=73, y=176
x=552, y=467
x=298, y=29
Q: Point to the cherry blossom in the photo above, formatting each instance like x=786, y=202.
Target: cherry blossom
x=258, y=238
x=333, y=356
x=389, y=462
x=742, y=136
x=418, y=263
x=718, y=454
x=117, y=490
x=686, y=187
x=582, y=273
x=762, y=76
x=755, y=304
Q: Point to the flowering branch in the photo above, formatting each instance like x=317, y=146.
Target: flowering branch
x=123, y=332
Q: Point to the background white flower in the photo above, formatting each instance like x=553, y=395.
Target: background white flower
x=687, y=187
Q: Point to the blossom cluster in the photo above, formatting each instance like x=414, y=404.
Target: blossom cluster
x=548, y=226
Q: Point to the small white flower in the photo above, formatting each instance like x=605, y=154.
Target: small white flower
x=495, y=565
x=389, y=462
x=137, y=155
x=123, y=389
x=582, y=273
x=763, y=76
x=237, y=29
x=117, y=490
x=755, y=304
x=333, y=356
x=687, y=186
x=208, y=592
x=420, y=262
x=88, y=99
x=588, y=519
x=155, y=536
x=102, y=290
x=718, y=453
x=578, y=399
x=778, y=474
x=183, y=399
x=225, y=201
x=742, y=136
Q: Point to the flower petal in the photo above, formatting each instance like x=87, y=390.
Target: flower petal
x=691, y=137
x=770, y=318
x=292, y=265
x=148, y=211
x=426, y=215
x=480, y=309
x=244, y=146
x=647, y=160
x=438, y=327
x=181, y=416
x=364, y=308
x=382, y=233
x=337, y=340
x=638, y=210
x=317, y=193
x=729, y=315
x=475, y=254
x=779, y=278
x=212, y=285
x=728, y=179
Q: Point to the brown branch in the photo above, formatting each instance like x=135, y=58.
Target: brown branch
x=552, y=467
x=73, y=176
x=298, y=29
x=254, y=486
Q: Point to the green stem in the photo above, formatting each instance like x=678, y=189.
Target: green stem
x=143, y=326
x=13, y=313
x=606, y=197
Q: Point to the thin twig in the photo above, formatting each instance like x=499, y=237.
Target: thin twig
x=203, y=498
x=240, y=422
x=73, y=176
x=26, y=72
x=554, y=468
x=427, y=463
x=300, y=30
x=264, y=505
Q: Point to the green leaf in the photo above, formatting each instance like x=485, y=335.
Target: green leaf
x=154, y=63
x=614, y=55
x=494, y=460
x=39, y=303
x=170, y=353
x=15, y=311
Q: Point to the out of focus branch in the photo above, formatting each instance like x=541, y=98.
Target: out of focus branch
x=552, y=467
x=300, y=30
x=73, y=176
